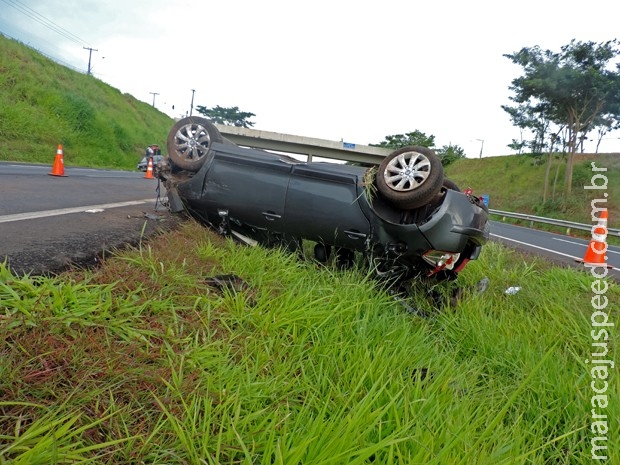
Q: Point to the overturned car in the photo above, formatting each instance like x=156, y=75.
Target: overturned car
x=404, y=218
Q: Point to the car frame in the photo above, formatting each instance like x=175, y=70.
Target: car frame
x=403, y=216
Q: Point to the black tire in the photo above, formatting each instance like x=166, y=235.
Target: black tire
x=410, y=177
x=345, y=258
x=189, y=142
x=449, y=184
x=322, y=252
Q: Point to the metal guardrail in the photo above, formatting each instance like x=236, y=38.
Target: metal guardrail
x=562, y=223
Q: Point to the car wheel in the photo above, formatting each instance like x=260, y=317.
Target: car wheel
x=410, y=177
x=345, y=258
x=322, y=252
x=189, y=142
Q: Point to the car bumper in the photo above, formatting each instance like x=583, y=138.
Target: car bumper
x=460, y=223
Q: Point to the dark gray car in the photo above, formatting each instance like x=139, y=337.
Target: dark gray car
x=403, y=216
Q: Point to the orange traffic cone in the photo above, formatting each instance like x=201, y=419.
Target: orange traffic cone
x=59, y=163
x=595, y=254
x=149, y=169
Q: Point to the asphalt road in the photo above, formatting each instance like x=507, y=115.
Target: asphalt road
x=49, y=222
x=558, y=248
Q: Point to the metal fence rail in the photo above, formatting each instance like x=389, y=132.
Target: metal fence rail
x=562, y=223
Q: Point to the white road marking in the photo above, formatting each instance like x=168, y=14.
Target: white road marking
x=536, y=247
x=582, y=244
x=66, y=211
x=570, y=242
x=543, y=248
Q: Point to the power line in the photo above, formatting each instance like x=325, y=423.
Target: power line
x=44, y=21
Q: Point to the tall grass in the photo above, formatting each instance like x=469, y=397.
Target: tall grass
x=144, y=361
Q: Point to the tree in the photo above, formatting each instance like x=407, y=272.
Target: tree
x=570, y=92
x=605, y=124
x=533, y=119
x=447, y=154
x=228, y=116
x=411, y=138
x=450, y=153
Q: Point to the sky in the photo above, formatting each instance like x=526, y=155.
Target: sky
x=355, y=71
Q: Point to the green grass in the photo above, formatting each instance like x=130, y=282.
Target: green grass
x=43, y=104
x=515, y=183
x=140, y=361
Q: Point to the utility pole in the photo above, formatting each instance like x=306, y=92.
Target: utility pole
x=191, y=105
x=154, y=94
x=481, y=146
x=90, y=54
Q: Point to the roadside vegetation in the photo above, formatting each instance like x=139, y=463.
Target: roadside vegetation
x=43, y=104
x=149, y=359
x=516, y=183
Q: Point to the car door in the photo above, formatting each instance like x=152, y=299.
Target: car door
x=250, y=184
x=321, y=205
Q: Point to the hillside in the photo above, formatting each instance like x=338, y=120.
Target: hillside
x=515, y=183
x=43, y=104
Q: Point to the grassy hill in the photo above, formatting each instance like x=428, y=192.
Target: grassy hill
x=43, y=104
x=515, y=183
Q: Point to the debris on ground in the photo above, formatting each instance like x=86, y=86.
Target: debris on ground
x=230, y=282
x=152, y=216
x=483, y=285
x=512, y=290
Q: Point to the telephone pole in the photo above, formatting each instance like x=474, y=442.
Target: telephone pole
x=154, y=94
x=90, y=54
x=191, y=105
x=481, y=146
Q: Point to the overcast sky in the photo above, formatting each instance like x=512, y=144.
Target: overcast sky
x=351, y=70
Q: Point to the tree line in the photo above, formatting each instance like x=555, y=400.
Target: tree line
x=562, y=98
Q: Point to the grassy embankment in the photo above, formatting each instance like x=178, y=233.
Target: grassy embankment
x=140, y=361
x=515, y=183
x=43, y=104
